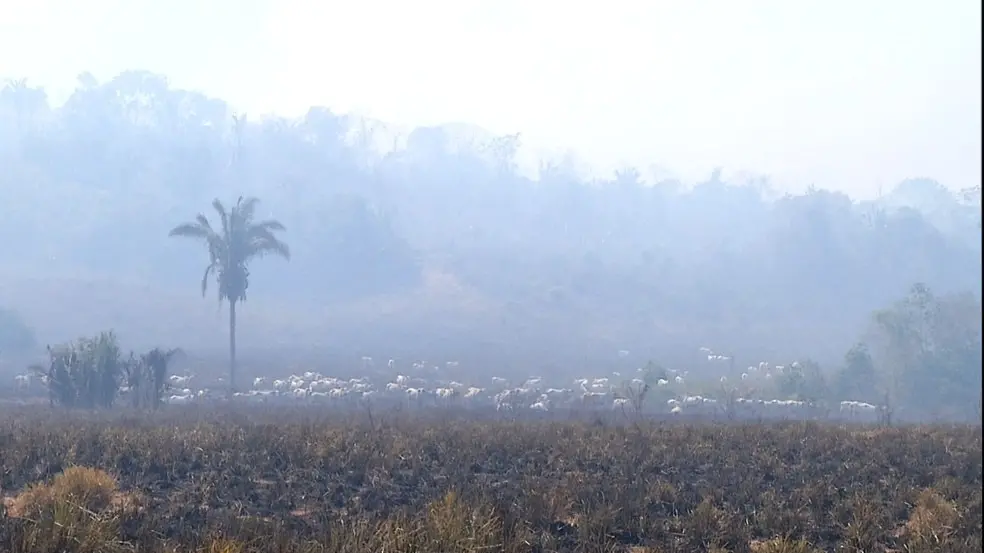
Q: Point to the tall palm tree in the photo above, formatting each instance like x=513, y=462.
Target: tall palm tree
x=230, y=250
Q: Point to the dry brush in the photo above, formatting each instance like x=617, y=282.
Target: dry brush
x=296, y=481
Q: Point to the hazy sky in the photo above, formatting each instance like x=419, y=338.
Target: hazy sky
x=844, y=94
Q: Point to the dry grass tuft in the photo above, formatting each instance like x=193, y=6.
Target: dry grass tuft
x=224, y=545
x=782, y=545
x=84, y=487
x=72, y=513
x=454, y=526
x=931, y=524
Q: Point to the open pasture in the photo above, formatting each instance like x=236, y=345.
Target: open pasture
x=286, y=479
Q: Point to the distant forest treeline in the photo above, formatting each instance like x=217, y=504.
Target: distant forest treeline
x=444, y=219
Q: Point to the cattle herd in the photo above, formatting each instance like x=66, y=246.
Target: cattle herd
x=421, y=386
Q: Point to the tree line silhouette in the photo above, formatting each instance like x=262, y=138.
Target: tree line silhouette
x=625, y=260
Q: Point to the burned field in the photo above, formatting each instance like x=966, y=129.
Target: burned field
x=295, y=480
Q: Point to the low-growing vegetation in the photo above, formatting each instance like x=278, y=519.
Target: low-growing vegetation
x=230, y=480
x=91, y=373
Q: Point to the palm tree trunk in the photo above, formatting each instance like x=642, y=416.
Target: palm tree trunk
x=232, y=348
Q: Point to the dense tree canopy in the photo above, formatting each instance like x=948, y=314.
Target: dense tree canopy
x=443, y=215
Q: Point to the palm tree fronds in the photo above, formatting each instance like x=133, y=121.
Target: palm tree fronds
x=223, y=216
x=246, y=208
x=270, y=225
x=208, y=272
x=263, y=247
x=230, y=250
x=191, y=230
x=203, y=222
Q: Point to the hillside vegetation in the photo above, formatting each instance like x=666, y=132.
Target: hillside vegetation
x=437, y=240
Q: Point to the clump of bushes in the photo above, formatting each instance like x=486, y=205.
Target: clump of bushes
x=91, y=373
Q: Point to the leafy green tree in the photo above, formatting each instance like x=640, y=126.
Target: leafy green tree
x=933, y=349
x=239, y=240
x=857, y=379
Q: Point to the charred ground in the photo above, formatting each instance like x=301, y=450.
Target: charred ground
x=297, y=480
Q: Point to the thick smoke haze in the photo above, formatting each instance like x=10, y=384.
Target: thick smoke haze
x=848, y=97
x=439, y=244
x=414, y=238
